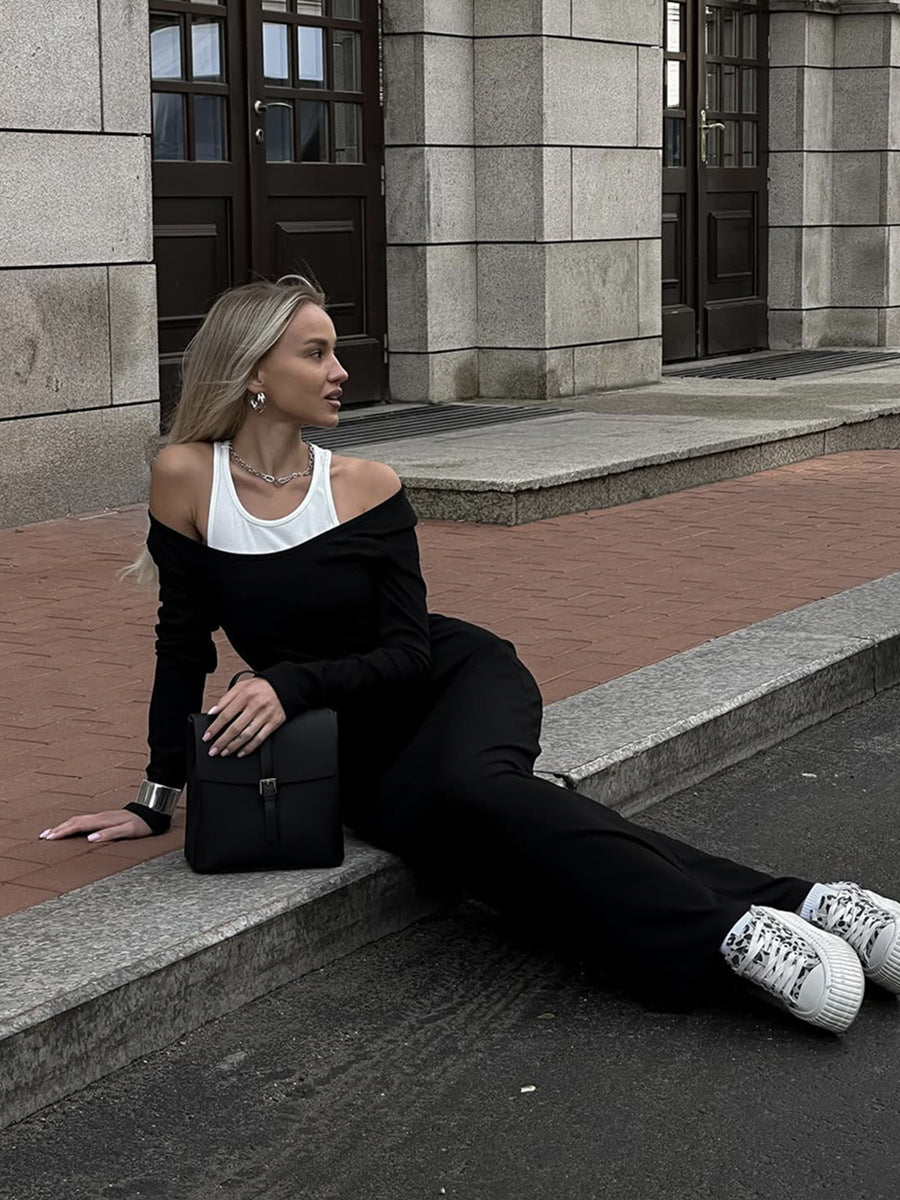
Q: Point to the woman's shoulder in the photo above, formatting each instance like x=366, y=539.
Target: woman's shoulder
x=372, y=481
x=180, y=475
x=360, y=485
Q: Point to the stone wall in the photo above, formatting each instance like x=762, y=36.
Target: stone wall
x=78, y=410
x=523, y=187
x=834, y=163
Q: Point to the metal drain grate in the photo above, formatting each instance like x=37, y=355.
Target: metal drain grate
x=783, y=366
x=387, y=426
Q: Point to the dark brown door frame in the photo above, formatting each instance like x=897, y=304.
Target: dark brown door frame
x=335, y=202
x=214, y=221
x=715, y=235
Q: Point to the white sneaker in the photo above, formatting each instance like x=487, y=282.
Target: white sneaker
x=869, y=923
x=814, y=975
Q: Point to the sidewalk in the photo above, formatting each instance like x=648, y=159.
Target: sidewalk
x=586, y=598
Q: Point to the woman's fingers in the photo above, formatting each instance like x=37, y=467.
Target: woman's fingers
x=257, y=739
x=240, y=715
x=108, y=826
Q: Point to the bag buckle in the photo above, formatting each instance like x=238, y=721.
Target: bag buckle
x=268, y=788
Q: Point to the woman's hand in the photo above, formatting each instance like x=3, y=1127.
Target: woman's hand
x=245, y=716
x=112, y=826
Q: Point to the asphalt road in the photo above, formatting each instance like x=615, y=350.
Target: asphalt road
x=458, y=1060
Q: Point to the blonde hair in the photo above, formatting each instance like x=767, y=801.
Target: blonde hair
x=240, y=329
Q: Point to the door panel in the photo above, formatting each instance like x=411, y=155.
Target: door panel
x=267, y=155
x=715, y=178
x=317, y=154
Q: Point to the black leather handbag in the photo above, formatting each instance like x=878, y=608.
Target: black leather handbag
x=277, y=808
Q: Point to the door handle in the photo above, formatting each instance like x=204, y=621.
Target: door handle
x=705, y=127
x=259, y=107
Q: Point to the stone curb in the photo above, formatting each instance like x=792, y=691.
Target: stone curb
x=506, y=501
x=126, y=966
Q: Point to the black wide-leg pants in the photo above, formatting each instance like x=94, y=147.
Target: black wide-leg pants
x=461, y=797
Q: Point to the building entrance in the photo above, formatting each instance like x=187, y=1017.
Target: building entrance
x=714, y=178
x=267, y=160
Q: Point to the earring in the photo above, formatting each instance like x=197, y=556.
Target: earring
x=257, y=402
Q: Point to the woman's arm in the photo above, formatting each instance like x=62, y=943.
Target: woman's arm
x=185, y=652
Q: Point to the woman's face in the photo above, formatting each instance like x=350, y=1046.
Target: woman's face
x=300, y=375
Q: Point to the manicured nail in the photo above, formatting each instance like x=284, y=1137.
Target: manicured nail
x=206, y=737
x=213, y=751
x=49, y=835
x=214, y=709
x=93, y=837
x=225, y=753
x=44, y=834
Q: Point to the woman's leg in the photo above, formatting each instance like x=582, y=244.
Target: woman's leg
x=462, y=797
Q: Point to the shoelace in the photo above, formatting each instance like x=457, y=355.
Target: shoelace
x=774, y=963
x=852, y=914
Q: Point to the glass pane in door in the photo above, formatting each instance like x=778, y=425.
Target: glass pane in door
x=209, y=128
x=313, y=131
x=165, y=48
x=711, y=24
x=347, y=77
x=748, y=99
x=748, y=143
x=673, y=84
x=279, y=133
x=673, y=141
x=348, y=133
x=275, y=53
x=168, y=126
x=673, y=26
x=346, y=10
x=206, y=49
x=310, y=56
x=712, y=86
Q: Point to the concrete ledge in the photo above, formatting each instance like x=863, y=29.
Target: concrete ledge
x=126, y=966
x=573, y=462
x=645, y=736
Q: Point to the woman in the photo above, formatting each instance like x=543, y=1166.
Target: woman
x=310, y=565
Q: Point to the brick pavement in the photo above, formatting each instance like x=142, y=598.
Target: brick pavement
x=585, y=598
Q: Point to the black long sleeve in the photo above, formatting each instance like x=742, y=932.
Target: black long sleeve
x=402, y=654
x=185, y=651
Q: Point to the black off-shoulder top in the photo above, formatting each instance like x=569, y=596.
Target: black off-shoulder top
x=338, y=621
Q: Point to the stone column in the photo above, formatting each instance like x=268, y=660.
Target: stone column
x=523, y=216
x=78, y=409
x=834, y=204
x=430, y=199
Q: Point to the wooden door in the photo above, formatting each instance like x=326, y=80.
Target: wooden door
x=201, y=212
x=317, y=150
x=714, y=178
x=267, y=157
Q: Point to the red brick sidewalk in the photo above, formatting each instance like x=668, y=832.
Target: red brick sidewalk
x=585, y=598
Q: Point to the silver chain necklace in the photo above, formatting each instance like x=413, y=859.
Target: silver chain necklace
x=278, y=480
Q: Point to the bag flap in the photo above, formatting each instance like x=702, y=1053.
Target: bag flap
x=303, y=748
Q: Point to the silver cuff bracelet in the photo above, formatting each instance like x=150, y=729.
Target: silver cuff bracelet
x=157, y=796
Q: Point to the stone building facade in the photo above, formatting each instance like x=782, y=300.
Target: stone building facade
x=79, y=411
x=521, y=231
x=834, y=201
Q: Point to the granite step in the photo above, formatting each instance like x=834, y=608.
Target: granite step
x=123, y=967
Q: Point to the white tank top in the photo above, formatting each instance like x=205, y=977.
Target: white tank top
x=234, y=529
